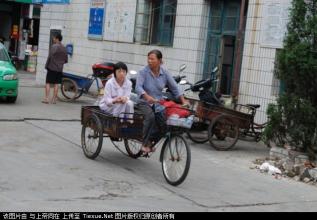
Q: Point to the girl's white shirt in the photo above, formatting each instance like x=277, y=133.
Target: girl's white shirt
x=114, y=90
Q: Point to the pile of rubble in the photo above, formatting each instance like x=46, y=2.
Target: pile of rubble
x=288, y=163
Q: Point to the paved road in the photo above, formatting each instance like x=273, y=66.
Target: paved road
x=44, y=169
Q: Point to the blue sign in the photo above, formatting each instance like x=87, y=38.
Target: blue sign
x=51, y=1
x=96, y=21
x=70, y=49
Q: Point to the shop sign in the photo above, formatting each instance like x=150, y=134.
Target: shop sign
x=96, y=19
x=23, y=1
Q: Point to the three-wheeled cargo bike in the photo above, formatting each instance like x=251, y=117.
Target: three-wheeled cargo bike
x=96, y=125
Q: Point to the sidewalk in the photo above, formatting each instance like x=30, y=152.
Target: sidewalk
x=27, y=79
x=29, y=105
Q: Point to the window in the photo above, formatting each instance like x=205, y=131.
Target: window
x=155, y=22
x=3, y=54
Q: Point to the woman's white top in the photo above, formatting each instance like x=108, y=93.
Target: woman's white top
x=114, y=90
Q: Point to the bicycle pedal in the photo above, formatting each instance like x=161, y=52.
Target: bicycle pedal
x=146, y=155
x=115, y=139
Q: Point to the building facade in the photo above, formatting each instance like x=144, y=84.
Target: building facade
x=199, y=33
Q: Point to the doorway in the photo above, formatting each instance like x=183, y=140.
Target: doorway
x=221, y=40
x=53, y=32
x=5, y=24
x=227, y=64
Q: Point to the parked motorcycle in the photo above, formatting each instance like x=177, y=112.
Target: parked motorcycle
x=204, y=88
x=199, y=130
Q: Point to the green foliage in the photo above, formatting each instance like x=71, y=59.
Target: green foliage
x=294, y=119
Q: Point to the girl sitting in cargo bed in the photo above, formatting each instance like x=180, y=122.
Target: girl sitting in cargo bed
x=117, y=92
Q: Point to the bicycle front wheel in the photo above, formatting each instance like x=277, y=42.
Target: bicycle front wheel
x=176, y=158
x=133, y=148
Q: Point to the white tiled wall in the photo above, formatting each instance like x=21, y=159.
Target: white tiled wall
x=188, y=47
x=257, y=64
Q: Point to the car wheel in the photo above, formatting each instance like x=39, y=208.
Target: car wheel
x=11, y=99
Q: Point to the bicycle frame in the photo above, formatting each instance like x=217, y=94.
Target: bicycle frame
x=255, y=129
x=89, y=83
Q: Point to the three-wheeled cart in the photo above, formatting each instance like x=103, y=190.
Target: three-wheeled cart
x=96, y=125
x=219, y=125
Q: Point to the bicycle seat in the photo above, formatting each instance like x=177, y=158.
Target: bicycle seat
x=253, y=106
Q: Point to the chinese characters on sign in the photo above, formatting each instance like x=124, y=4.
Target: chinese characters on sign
x=120, y=20
x=274, y=23
x=96, y=19
x=112, y=20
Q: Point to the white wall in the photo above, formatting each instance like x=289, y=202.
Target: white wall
x=188, y=47
x=257, y=64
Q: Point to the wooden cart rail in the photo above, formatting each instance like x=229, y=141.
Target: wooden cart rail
x=116, y=127
x=210, y=111
x=222, y=126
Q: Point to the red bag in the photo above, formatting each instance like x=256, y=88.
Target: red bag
x=173, y=108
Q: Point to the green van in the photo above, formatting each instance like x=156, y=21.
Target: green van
x=8, y=77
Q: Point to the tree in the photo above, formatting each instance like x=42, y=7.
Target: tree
x=293, y=120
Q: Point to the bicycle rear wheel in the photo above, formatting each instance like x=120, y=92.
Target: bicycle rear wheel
x=79, y=93
x=175, y=158
x=133, y=148
x=69, y=89
x=92, y=137
x=198, y=133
